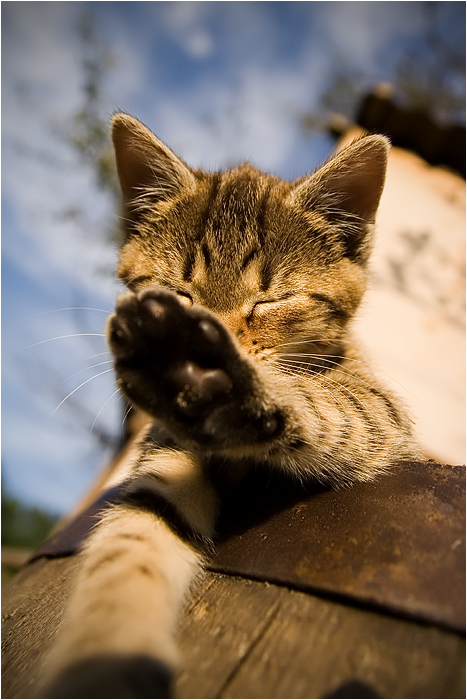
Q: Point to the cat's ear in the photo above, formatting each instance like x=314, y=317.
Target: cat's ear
x=144, y=164
x=347, y=189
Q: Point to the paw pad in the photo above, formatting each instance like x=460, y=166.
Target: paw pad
x=197, y=385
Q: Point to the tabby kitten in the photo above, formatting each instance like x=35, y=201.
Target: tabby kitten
x=234, y=339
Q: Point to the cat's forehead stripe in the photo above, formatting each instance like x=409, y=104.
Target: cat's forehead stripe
x=240, y=191
x=261, y=215
x=212, y=196
x=189, y=263
x=206, y=254
x=235, y=201
x=251, y=255
x=266, y=274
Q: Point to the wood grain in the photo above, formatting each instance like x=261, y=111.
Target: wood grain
x=248, y=639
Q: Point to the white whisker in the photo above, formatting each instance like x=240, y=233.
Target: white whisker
x=79, y=387
x=336, y=368
x=104, y=405
x=325, y=378
x=73, y=308
x=354, y=359
x=127, y=413
x=85, y=359
x=60, y=337
x=98, y=364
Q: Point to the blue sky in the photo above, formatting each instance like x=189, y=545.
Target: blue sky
x=220, y=82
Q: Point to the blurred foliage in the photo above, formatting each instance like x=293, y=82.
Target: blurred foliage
x=22, y=525
x=24, y=528
x=90, y=132
x=429, y=76
x=86, y=133
x=341, y=97
x=433, y=78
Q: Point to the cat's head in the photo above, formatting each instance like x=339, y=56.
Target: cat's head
x=283, y=264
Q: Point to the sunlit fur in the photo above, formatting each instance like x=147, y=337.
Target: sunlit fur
x=277, y=269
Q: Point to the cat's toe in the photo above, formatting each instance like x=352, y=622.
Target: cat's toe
x=155, y=308
x=146, y=326
x=120, y=330
x=161, y=304
x=209, y=333
x=270, y=425
x=160, y=315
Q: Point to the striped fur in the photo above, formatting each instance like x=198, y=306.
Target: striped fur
x=235, y=339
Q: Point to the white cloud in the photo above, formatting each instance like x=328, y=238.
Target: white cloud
x=358, y=32
x=185, y=24
x=215, y=124
x=41, y=172
x=200, y=44
x=49, y=456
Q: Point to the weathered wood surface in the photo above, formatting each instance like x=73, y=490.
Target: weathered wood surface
x=245, y=639
x=397, y=543
x=248, y=639
x=32, y=608
x=308, y=593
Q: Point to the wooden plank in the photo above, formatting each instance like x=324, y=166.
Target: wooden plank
x=312, y=647
x=397, y=543
x=247, y=639
x=217, y=633
x=32, y=608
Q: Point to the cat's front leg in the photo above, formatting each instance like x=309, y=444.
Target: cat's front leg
x=183, y=366
x=117, y=637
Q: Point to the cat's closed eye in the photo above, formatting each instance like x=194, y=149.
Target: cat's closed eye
x=136, y=282
x=259, y=308
x=265, y=306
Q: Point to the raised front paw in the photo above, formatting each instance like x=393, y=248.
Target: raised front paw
x=182, y=366
x=158, y=344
